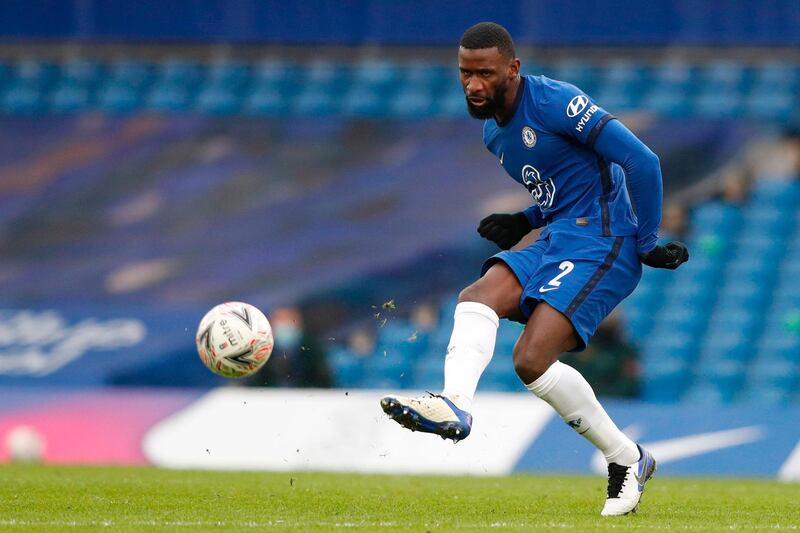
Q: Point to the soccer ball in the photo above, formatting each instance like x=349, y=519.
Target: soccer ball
x=234, y=339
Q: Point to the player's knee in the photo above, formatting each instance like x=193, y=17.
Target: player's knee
x=473, y=293
x=531, y=360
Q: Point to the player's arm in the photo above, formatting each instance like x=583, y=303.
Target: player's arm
x=642, y=169
x=506, y=230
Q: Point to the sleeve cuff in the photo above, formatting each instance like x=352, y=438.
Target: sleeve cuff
x=646, y=245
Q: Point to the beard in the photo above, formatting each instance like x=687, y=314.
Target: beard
x=496, y=105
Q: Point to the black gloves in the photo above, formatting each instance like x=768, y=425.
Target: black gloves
x=504, y=230
x=671, y=256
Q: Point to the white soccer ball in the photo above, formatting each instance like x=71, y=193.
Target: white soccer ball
x=234, y=339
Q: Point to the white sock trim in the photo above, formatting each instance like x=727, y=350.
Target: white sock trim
x=548, y=380
x=478, y=308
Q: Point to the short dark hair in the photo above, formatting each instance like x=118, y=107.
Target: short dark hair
x=488, y=35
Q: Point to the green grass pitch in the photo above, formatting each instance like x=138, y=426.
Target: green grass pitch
x=47, y=498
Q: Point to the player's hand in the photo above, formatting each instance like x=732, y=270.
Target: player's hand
x=671, y=256
x=504, y=230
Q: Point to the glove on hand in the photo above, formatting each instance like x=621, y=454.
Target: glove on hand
x=505, y=230
x=671, y=256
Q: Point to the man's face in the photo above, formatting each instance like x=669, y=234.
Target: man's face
x=485, y=75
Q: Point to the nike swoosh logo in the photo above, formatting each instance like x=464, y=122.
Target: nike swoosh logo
x=790, y=470
x=542, y=289
x=669, y=450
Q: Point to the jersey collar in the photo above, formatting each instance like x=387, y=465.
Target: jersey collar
x=517, y=100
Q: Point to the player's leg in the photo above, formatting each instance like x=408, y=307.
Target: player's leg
x=548, y=334
x=601, y=273
x=480, y=306
x=494, y=296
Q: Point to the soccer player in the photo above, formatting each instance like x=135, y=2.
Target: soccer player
x=575, y=159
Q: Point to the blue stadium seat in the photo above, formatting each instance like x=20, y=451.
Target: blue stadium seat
x=228, y=73
x=376, y=73
x=770, y=104
x=576, y=71
x=500, y=382
x=363, y=101
x=412, y=101
x=167, y=97
x=718, y=103
x=770, y=219
x=315, y=101
x=347, y=368
x=674, y=73
x=724, y=75
x=774, y=192
x=727, y=374
x=69, y=97
x=715, y=214
x=774, y=371
x=664, y=375
x=119, y=97
x=31, y=71
x=217, y=98
x=775, y=75
x=425, y=74
x=392, y=367
x=683, y=315
x=130, y=72
x=429, y=372
x=265, y=100
x=665, y=101
x=80, y=71
x=22, y=97
x=764, y=394
x=726, y=345
x=740, y=296
x=178, y=72
x=400, y=337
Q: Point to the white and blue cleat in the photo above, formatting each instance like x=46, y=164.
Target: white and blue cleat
x=429, y=414
x=626, y=484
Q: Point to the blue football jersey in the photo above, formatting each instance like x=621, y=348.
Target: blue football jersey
x=546, y=145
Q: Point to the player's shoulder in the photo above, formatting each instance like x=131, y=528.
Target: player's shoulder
x=490, y=131
x=547, y=91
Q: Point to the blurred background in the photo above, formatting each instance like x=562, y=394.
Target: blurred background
x=316, y=159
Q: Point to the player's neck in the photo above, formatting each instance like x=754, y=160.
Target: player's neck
x=510, y=100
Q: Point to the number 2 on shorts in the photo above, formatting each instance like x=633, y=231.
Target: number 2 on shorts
x=565, y=267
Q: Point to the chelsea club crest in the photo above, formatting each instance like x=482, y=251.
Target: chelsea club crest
x=528, y=136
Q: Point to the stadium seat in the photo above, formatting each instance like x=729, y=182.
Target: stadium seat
x=119, y=97
x=167, y=97
x=770, y=104
x=347, y=368
x=577, y=72
x=724, y=75
x=217, y=98
x=228, y=73
x=22, y=97
x=412, y=101
x=315, y=101
x=717, y=103
x=363, y=101
x=376, y=73
x=391, y=367
x=130, y=72
x=69, y=97
x=265, y=100
x=80, y=71
x=775, y=75
x=178, y=72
